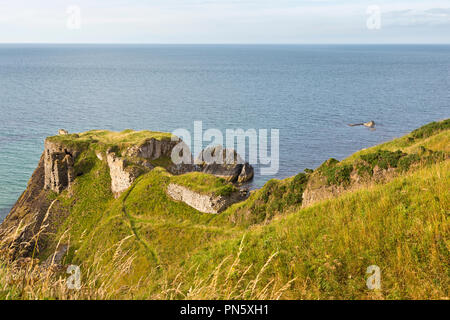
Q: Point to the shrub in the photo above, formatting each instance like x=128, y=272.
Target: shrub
x=429, y=129
x=363, y=169
x=383, y=158
x=405, y=163
x=225, y=191
x=336, y=174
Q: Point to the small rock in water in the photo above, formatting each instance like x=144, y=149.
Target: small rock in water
x=370, y=124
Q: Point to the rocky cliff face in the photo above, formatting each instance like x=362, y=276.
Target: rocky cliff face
x=29, y=221
x=152, y=149
x=35, y=214
x=27, y=215
x=58, y=166
x=31, y=218
x=333, y=178
x=318, y=189
x=125, y=170
x=231, y=167
x=201, y=202
x=121, y=177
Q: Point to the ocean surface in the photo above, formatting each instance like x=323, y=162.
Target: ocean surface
x=309, y=93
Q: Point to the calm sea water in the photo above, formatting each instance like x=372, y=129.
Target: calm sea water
x=310, y=93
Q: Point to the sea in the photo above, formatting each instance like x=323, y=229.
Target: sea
x=310, y=93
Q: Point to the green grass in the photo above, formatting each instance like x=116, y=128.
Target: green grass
x=430, y=129
x=410, y=144
x=275, y=198
x=164, y=162
x=144, y=245
x=403, y=227
x=335, y=173
x=204, y=183
x=103, y=139
x=425, y=145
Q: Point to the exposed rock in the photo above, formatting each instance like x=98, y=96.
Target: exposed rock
x=58, y=164
x=153, y=149
x=313, y=195
x=121, y=176
x=246, y=174
x=63, y=132
x=317, y=188
x=32, y=219
x=201, y=202
x=370, y=124
x=224, y=163
x=382, y=175
x=177, y=169
x=27, y=214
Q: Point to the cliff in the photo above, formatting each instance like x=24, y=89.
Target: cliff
x=110, y=203
x=126, y=155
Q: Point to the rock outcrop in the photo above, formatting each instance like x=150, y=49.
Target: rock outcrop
x=125, y=170
x=58, y=166
x=121, y=177
x=34, y=216
x=152, y=149
x=317, y=188
x=370, y=124
x=27, y=215
x=333, y=178
x=202, y=202
x=224, y=163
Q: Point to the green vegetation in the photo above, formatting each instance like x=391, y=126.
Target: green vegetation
x=401, y=154
x=103, y=139
x=275, y=198
x=383, y=158
x=164, y=162
x=437, y=141
x=143, y=245
x=204, y=183
x=336, y=174
x=402, y=226
x=430, y=129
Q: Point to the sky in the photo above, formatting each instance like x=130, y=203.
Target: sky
x=225, y=21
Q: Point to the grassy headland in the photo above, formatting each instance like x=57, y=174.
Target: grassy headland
x=144, y=245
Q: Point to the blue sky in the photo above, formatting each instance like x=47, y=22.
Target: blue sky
x=225, y=21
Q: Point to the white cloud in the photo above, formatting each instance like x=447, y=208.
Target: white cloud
x=409, y=17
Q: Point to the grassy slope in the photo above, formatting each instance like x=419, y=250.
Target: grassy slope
x=159, y=233
x=204, y=183
x=143, y=245
x=402, y=226
x=434, y=136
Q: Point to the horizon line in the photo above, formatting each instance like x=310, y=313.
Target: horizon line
x=218, y=43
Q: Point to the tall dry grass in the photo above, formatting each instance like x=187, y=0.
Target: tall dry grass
x=222, y=285
x=29, y=278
